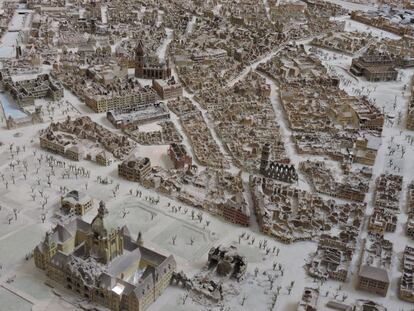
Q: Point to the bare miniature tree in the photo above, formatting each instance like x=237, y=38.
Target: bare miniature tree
x=244, y=298
x=173, y=238
x=274, y=300
x=271, y=279
x=124, y=213
x=15, y=212
x=278, y=288
x=185, y=297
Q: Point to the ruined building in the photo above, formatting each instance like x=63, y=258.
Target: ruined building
x=227, y=261
x=134, y=168
x=179, y=156
x=275, y=170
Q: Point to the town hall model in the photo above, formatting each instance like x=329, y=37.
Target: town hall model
x=207, y=155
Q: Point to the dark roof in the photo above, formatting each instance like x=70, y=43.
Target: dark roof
x=374, y=273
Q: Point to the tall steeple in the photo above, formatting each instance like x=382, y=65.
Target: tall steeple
x=139, y=49
x=139, y=59
x=264, y=161
x=98, y=224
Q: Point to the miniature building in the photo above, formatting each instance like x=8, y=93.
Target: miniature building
x=147, y=68
x=382, y=221
x=376, y=258
x=179, y=156
x=218, y=191
x=32, y=118
x=409, y=228
x=104, y=264
x=60, y=145
x=235, y=210
x=366, y=149
x=406, y=291
x=388, y=191
x=332, y=258
x=289, y=214
x=168, y=133
x=76, y=202
x=274, y=170
x=25, y=92
x=227, y=261
x=167, y=89
x=370, y=18
x=367, y=305
x=309, y=301
x=122, y=101
x=104, y=158
x=353, y=186
x=375, y=67
x=141, y=115
x=134, y=168
x=374, y=280
x=74, y=139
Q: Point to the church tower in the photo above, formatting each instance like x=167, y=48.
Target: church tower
x=42, y=256
x=104, y=244
x=139, y=59
x=264, y=161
